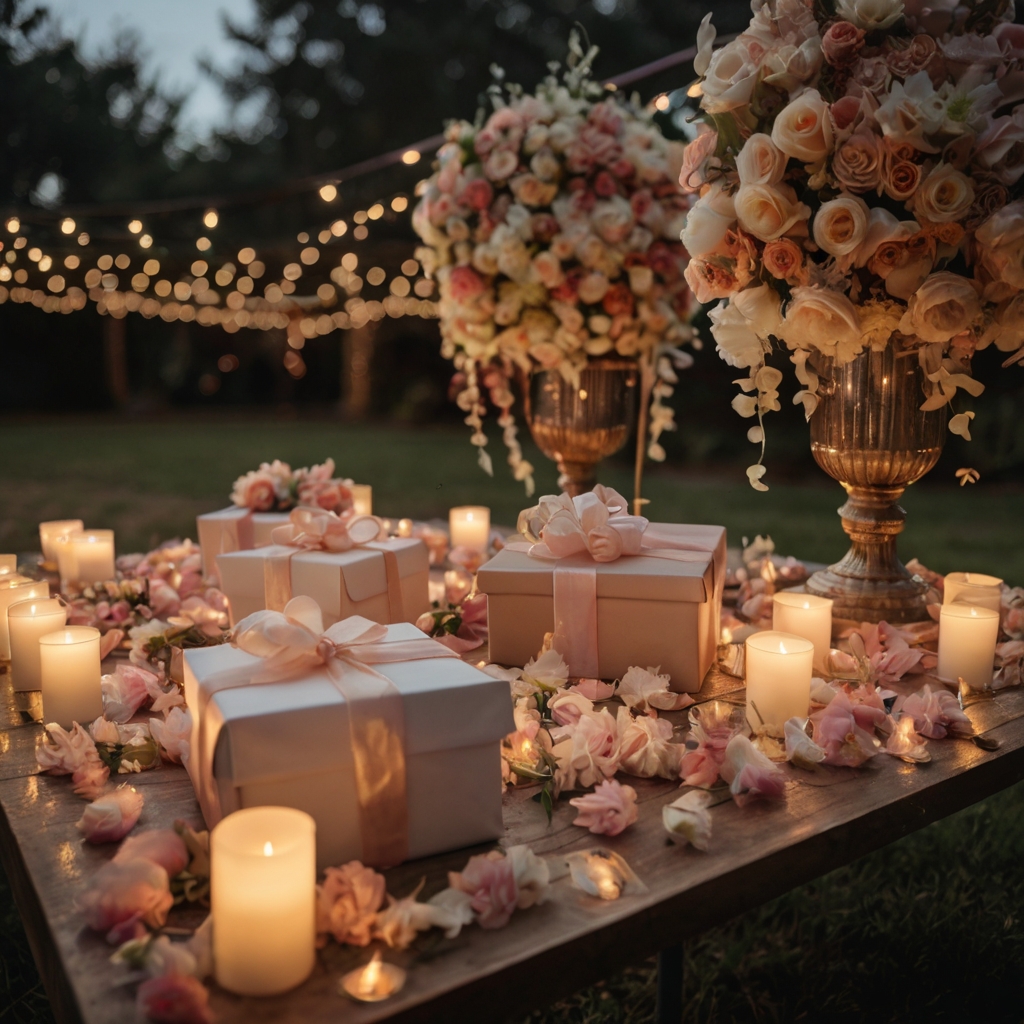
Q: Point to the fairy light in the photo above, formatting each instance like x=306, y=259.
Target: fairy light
x=662, y=102
x=146, y=241
x=338, y=228
x=67, y=226
x=13, y=225
x=246, y=255
x=328, y=193
x=135, y=226
x=203, y=243
x=211, y=219
x=410, y=157
x=399, y=204
x=375, y=212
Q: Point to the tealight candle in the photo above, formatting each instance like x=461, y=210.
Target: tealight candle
x=374, y=982
x=94, y=555
x=263, y=891
x=15, y=588
x=27, y=622
x=973, y=588
x=470, y=527
x=808, y=616
x=967, y=644
x=778, y=668
x=49, y=533
x=362, y=499
x=69, y=673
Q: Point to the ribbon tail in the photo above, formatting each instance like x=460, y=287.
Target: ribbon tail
x=396, y=601
x=277, y=580
x=575, y=600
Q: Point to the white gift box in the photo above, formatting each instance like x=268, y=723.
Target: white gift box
x=345, y=583
x=286, y=744
x=234, y=529
x=651, y=611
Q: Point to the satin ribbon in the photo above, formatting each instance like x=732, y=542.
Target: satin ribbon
x=293, y=644
x=316, y=529
x=588, y=529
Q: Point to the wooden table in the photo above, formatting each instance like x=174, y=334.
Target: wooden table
x=828, y=818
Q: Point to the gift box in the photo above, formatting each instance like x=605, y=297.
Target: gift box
x=386, y=581
x=651, y=610
x=288, y=743
x=234, y=529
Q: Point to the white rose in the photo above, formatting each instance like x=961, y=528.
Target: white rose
x=545, y=165
x=767, y=212
x=612, y=219
x=742, y=325
x=943, y=307
x=1001, y=251
x=822, y=319
x=803, y=129
x=708, y=221
x=945, y=195
x=912, y=110
x=870, y=14
x=730, y=77
x=760, y=161
x=841, y=225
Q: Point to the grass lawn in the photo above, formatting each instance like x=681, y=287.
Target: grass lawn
x=928, y=929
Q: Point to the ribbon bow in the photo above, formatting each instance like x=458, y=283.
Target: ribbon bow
x=317, y=529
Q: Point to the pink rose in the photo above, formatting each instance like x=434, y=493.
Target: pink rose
x=256, y=490
x=605, y=117
x=63, y=752
x=123, y=889
x=841, y=43
x=749, y=773
x=605, y=185
x=501, y=164
x=110, y=818
x=125, y=691
x=173, y=734
x=609, y=810
x=784, y=259
x=174, y=999
x=163, y=599
x=857, y=163
x=696, y=159
x=465, y=284
x=477, y=194
x=594, y=689
x=645, y=747
x=347, y=903
x=936, y=713
x=90, y=779
x=161, y=846
x=490, y=882
x=836, y=731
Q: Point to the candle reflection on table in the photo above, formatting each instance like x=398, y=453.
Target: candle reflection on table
x=373, y=982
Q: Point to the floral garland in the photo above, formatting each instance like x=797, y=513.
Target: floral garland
x=552, y=229
x=276, y=487
x=860, y=166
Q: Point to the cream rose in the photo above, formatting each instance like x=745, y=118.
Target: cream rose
x=760, y=161
x=822, y=319
x=945, y=195
x=841, y=224
x=870, y=14
x=767, y=212
x=708, y=221
x=741, y=327
x=803, y=130
x=943, y=307
x=730, y=77
x=857, y=164
x=1000, y=243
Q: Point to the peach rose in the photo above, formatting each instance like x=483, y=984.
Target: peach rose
x=768, y=212
x=760, y=161
x=841, y=224
x=784, y=259
x=608, y=810
x=711, y=278
x=945, y=195
x=531, y=191
x=548, y=268
x=944, y=306
x=465, y=284
x=256, y=490
x=696, y=159
x=857, y=163
x=347, y=903
x=803, y=130
x=823, y=319
x=900, y=179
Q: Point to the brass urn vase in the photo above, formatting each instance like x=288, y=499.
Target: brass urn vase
x=578, y=426
x=869, y=433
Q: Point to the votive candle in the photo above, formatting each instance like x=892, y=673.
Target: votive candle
x=973, y=588
x=15, y=588
x=778, y=669
x=808, y=616
x=470, y=527
x=69, y=672
x=967, y=644
x=263, y=892
x=94, y=555
x=27, y=622
x=362, y=499
x=50, y=531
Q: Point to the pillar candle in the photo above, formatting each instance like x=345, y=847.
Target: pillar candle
x=14, y=588
x=27, y=622
x=470, y=527
x=262, y=884
x=808, y=616
x=67, y=566
x=50, y=531
x=973, y=588
x=362, y=499
x=967, y=644
x=94, y=555
x=778, y=669
x=69, y=664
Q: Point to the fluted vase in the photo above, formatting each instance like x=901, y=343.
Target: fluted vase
x=869, y=433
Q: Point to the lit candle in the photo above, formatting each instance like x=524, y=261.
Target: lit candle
x=973, y=588
x=49, y=532
x=263, y=891
x=27, y=622
x=94, y=555
x=362, y=499
x=457, y=585
x=8, y=564
x=67, y=566
x=808, y=616
x=967, y=644
x=404, y=528
x=15, y=588
x=470, y=527
x=376, y=981
x=778, y=668
x=69, y=672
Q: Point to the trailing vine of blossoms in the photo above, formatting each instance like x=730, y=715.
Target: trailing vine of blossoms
x=859, y=170
x=553, y=231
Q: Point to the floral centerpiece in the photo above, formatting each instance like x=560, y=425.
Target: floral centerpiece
x=552, y=229
x=859, y=166
x=276, y=487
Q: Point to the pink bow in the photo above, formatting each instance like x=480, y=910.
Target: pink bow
x=316, y=529
x=589, y=523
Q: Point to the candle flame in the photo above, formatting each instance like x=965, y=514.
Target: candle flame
x=726, y=635
x=469, y=517
x=268, y=849
x=371, y=976
x=782, y=647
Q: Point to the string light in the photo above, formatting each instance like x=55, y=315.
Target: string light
x=135, y=226
x=328, y=193
x=399, y=204
x=211, y=219
x=203, y=243
x=246, y=255
x=13, y=225
x=67, y=226
x=375, y=212
x=338, y=228
x=662, y=102
x=411, y=156
x=146, y=241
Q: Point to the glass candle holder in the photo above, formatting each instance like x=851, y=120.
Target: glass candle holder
x=967, y=644
x=973, y=588
x=778, y=669
x=27, y=622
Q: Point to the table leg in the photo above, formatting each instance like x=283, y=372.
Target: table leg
x=670, y=985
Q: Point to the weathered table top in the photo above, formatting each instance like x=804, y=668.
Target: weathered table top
x=829, y=817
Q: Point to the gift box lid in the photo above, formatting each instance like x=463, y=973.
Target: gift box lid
x=300, y=726
x=688, y=576
x=237, y=512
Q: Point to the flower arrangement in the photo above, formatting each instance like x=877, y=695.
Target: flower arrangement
x=859, y=165
x=552, y=229
x=276, y=487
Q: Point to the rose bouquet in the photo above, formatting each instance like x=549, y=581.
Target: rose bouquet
x=552, y=229
x=859, y=165
x=275, y=486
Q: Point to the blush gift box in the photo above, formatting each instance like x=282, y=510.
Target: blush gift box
x=386, y=738
x=234, y=529
x=384, y=580
x=614, y=590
